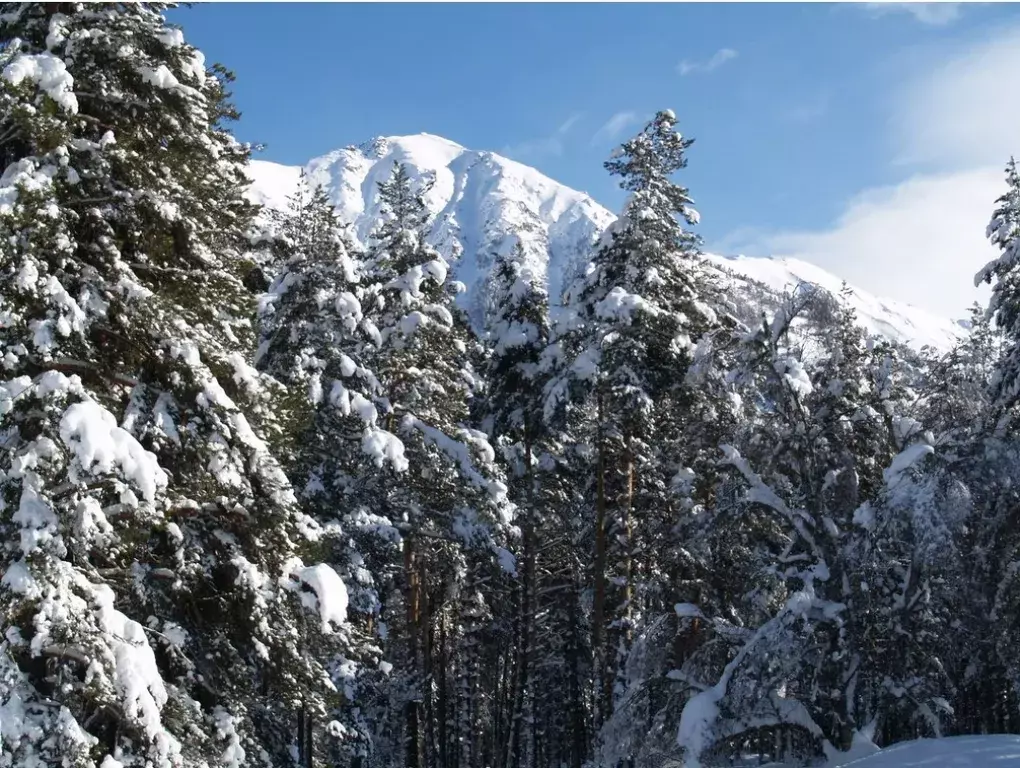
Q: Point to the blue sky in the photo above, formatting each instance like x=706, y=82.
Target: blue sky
x=815, y=124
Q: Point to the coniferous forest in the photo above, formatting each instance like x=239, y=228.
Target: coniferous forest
x=267, y=497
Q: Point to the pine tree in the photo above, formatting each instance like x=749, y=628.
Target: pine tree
x=518, y=335
x=450, y=504
x=842, y=550
x=333, y=525
x=638, y=313
x=989, y=471
x=316, y=341
x=1004, y=232
x=152, y=588
x=956, y=387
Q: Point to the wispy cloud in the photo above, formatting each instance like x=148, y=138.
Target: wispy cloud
x=546, y=146
x=711, y=64
x=614, y=127
x=932, y=14
x=952, y=129
x=929, y=225
x=958, y=113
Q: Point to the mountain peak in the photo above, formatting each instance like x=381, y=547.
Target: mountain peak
x=425, y=137
x=483, y=203
x=372, y=148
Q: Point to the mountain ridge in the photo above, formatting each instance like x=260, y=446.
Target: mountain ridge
x=483, y=203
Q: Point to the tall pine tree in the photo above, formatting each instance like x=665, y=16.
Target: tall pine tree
x=1004, y=232
x=637, y=315
x=450, y=505
x=152, y=585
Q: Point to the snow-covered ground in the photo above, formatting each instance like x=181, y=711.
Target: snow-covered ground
x=998, y=751
x=484, y=203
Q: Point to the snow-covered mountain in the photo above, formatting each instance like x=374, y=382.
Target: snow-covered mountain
x=483, y=203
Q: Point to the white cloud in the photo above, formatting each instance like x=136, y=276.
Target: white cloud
x=547, y=146
x=715, y=61
x=921, y=240
x=932, y=14
x=614, y=127
x=965, y=112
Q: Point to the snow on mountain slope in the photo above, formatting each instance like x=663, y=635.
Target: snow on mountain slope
x=883, y=317
x=483, y=203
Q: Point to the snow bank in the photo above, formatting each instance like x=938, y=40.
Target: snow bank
x=861, y=746
x=1001, y=751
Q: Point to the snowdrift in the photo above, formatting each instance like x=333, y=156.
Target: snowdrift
x=1000, y=751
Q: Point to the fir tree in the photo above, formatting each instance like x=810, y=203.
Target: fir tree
x=152, y=586
x=518, y=335
x=1004, y=232
x=956, y=387
x=316, y=341
x=637, y=315
x=450, y=504
x=990, y=469
x=837, y=543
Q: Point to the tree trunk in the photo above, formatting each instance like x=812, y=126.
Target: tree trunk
x=310, y=735
x=628, y=532
x=413, y=724
x=526, y=618
x=301, y=734
x=599, y=602
x=428, y=670
x=579, y=741
x=443, y=709
x=626, y=523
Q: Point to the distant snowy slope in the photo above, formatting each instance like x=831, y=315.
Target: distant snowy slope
x=272, y=183
x=883, y=317
x=482, y=203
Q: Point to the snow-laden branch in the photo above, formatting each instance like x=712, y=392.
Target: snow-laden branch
x=759, y=492
x=460, y=453
x=699, y=722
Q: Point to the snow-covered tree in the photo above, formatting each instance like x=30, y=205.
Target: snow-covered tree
x=267, y=498
x=956, y=387
x=152, y=588
x=629, y=341
x=989, y=673
x=518, y=333
x=316, y=341
x=845, y=547
x=450, y=504
x=1004, y=270
x=548, y=715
